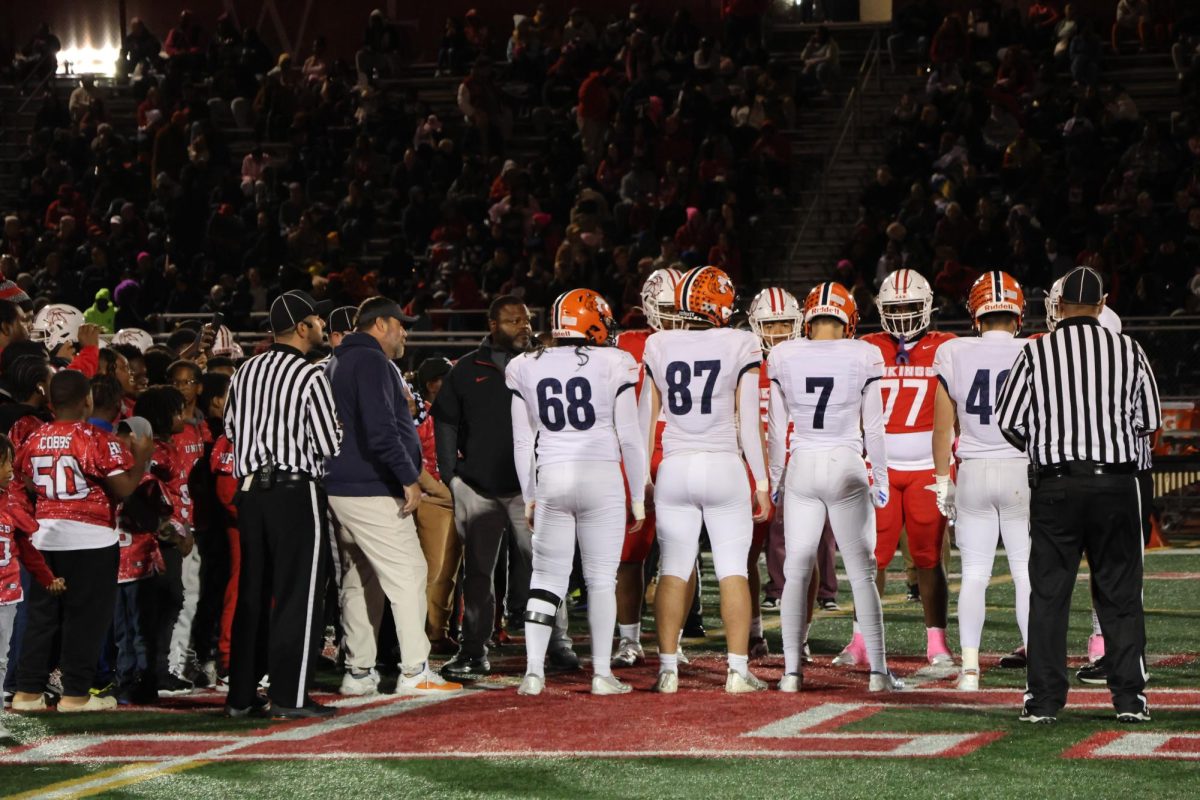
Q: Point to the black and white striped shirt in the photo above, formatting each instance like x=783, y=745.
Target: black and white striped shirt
x=1082, y=393
x=280, y=411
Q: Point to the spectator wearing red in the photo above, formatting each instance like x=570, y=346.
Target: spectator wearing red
x=591, y=115
x=954, y=280
x=950, y=44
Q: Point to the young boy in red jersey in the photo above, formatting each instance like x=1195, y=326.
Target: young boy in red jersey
x=78, y=473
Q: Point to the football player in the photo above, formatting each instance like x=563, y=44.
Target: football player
x=991, y=500
x=827, y=386
x=574, y=414
x=700, y=378
x=905, y=304
x=658, y=305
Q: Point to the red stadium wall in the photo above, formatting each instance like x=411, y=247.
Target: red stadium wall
x=292, y=24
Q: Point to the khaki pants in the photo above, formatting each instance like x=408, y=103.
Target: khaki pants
x=381, y=557
x=443, y=554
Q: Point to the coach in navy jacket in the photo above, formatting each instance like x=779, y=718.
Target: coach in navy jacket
x=373, y=492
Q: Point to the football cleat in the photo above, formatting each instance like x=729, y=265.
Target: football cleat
x=667, y=683
x=968, y=681
x=531, y=685
x=1134, y=717
x=361, y=684
x=829, y=604
x=758, y=648
x=885, y=682
x=769, y=604
x=791, y=682
x=913, y=594
x=1014, y=660
x=852, y=654
x=743, y=682
x=1036, y=719
x=174, y=685
x=682, y=656
x=629, y=653
x=806, y=654
x=940, y=659
x=1094, y=674
x=609, y=685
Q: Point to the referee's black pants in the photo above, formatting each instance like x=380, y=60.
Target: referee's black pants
x=279, y=621
x=1099, y=515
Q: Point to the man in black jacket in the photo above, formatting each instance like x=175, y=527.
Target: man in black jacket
x=473, y=431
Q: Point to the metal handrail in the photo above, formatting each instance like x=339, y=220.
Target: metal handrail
x=34, y=93
x=848, y=124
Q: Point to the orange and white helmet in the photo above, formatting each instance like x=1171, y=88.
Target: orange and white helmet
x=775, y=305
x=135, y=336
x=905, y=303
x=582, y=314
x=56, y=324
x=225, y=345
x=831, y=300
x=996, y=292
x=705, y=294
x=658, y=298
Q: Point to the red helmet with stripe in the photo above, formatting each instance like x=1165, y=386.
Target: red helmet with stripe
x=705, y=295
x=996, y=292
x=582, y=314
x=831, y=300
x=775, y=305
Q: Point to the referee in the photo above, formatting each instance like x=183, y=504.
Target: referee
x=282, y=421
x=1079, y=401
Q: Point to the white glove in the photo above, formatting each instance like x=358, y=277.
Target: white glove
x=943, y=487
x=879, y=494
x=639, y=510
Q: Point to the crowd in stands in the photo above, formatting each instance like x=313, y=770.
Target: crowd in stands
x=1019, y=153
x=656, y=142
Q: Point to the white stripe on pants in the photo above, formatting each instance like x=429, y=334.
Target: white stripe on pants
x=181, y=633
x=581, y=501
x=992, y=497
x=703, y=488
x=829, y=483
x=381, y=558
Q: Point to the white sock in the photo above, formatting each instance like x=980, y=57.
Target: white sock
x=1095, y=623
x=738, y=664
x=756, y=627
x=970, y=658
x=668, y=662
x=537, y=638
x=793, y=618
x=631, y=632
x=602, y=615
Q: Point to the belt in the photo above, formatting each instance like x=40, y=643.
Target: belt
x=256, y=480
x=1081, y=468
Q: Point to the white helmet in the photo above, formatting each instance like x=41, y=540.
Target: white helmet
x=900, y=291
x=775, y=305
x=56, y=324
x=1053, y=299
x=658, y=298
x=225, y=345
x=135, y=336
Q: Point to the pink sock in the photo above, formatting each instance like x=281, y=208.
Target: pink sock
x=935, y=640
x=1095, y=647
x=857, y=642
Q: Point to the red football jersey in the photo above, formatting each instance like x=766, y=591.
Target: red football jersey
x=634, y=343
x=67, y=462
x=23, y=427
x=221, y=459
x=169, y=467
x=908, y=394
x=140, y=556
x=190, y=445
x=16, y=549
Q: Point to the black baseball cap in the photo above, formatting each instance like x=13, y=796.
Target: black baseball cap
x=431, y=369
x=1083, y=286
x=290, y=308
x=341, y=319
x=377, y=307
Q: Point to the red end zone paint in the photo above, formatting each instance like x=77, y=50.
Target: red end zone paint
x=1138, y=745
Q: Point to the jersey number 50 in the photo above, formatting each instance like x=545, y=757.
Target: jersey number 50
x=579, y=411
x=61, y=478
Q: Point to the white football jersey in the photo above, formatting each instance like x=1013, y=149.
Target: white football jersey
x=697, y=374
x=571, y=404
x=973, y=371
x=822, y=384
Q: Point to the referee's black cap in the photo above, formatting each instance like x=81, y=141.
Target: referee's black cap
x=291, y=307
x=1083, y=286
x=341, y=319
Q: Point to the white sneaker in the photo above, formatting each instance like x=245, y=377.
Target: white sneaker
x=968, y=680
x=667, y=683
x=531, y=685
x=683, y=659
x=608, y=685
x=94, y=703
x=806, y=655
x=743, y=683
x=425, y=682
x=885, y=682
x=941, y=660
x=629, y=653
x=359, y=685
x=791, y=682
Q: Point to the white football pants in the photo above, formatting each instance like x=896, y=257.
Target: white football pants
x=992, y=497
x=584, y=501
x=817, y=484
x=708, y=488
